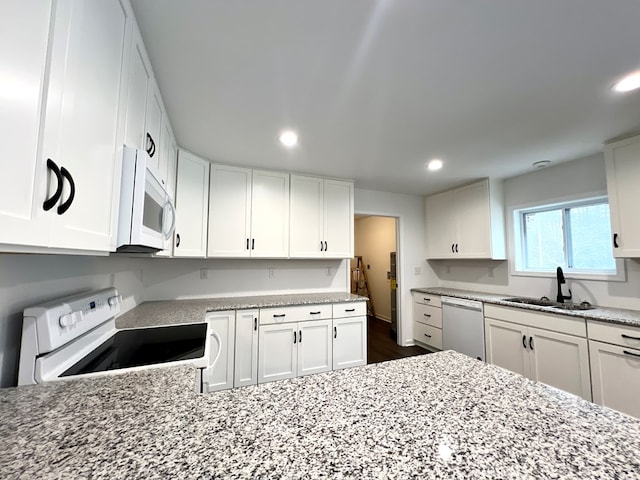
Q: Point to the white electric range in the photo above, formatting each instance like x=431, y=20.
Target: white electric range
x=76, y=336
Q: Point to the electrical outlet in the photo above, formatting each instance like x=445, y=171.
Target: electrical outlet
x=204, y=274
x=418, y=271
x=272, y=273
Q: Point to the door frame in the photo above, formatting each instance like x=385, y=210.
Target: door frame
x=399, y=272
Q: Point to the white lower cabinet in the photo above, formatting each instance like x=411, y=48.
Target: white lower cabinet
x=349, y=341
x=289, y=350
x=218, y=375
x=559, y=359
x=246, y=348
x=614, y=352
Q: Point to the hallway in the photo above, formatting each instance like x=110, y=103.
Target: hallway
x=381, y=347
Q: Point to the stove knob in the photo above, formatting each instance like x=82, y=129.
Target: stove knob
x=113, y=301
x=66, y=320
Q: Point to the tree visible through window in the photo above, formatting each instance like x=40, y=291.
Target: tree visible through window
x=575, y=236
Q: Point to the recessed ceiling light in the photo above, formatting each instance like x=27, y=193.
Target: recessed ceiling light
x=435, y=164
x=289, y=138
x=541, y=163
x=628, y=83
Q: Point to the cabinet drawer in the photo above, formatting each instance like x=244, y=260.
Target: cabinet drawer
x=616, y=334
x=349, y=309
x=427, y=314
x=427, y=299
x=428, y=335
x=298, y=313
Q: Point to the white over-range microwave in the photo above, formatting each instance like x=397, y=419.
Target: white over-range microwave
x=147, y=215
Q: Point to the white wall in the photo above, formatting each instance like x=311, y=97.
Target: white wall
x=582, y=176
x=411, y=247
x=26, y=280
x=375, y=238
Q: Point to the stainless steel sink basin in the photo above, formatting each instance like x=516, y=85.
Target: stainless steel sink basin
x=545, y=302
x=541, y=302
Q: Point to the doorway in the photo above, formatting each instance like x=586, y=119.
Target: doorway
x=373, y=275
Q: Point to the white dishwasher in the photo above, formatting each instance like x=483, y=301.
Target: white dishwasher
x=463, y=327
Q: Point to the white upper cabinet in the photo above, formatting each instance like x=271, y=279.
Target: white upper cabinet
x=23, y=23
x=321, y=218
x=192, y=199
x=153, y=123
x=467, y=222
x=139, y=78
x=623, y=171
x=248, y=213
x=81, y=128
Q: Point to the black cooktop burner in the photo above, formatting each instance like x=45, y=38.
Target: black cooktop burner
x=144, y=346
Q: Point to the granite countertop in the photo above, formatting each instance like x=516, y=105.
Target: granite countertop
x=604, y=314
x=442, y=415
x=170, y=312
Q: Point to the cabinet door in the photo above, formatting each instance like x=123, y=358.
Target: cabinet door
x=139, y=78
x=506, y=345
x=81, y=128
x=219, y=373
x=168, y=163
x=153, y=123
x=229, y=212
x=306, y=213
x=472, y=221
x=338, y=219
x=615, y=372
x=192, y=200
x=246, y=358
x=277, y=354
x=440, y=225
x=270, y=214
x=315, y=347
x=623, y=170
x=23, y=184
x=560, y=360
x=349, y=342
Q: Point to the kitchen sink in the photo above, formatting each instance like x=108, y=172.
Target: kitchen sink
x=545, y=302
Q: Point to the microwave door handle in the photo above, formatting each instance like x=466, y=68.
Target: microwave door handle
x=169, y=232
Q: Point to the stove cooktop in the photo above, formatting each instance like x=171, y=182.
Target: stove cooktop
x=144, y=346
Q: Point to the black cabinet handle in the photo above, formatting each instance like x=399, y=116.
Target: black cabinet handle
x=50, y=202
x=427, y=315
x=279, y=315
x=62, y=208
x=427, y=335
x=255, y=323
x=615, y=240
x=524, y=341
x=177, y=239
x=335, y=332
x=626, y=352
x=299, y=336
x=531, y=343
x=294, y=336
x=151, y=145
x=452, y=250
x=247, y=244
x=321, y=246
x=349, y=309
x=326, y=246
x=456, y=248
x=315, y=313
x=253, y=243
x=426, y=299
x=630, y=337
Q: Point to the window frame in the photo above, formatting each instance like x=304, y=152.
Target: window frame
x=517, y=239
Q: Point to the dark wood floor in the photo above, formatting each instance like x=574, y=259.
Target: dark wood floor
x=381, y=347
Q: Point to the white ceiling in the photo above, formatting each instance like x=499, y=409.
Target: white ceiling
x=376, y=88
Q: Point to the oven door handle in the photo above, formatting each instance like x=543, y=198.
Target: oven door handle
x=169, y=231
x=215, y=335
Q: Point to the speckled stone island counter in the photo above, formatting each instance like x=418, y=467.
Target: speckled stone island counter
x=169, y=312
x=433, y=416
x=604, y=314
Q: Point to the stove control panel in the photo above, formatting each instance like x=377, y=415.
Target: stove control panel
x=61, y=321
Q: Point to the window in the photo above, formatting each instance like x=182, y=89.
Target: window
x=575, y=236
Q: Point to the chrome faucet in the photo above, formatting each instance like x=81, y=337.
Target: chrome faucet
x=560, y=279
